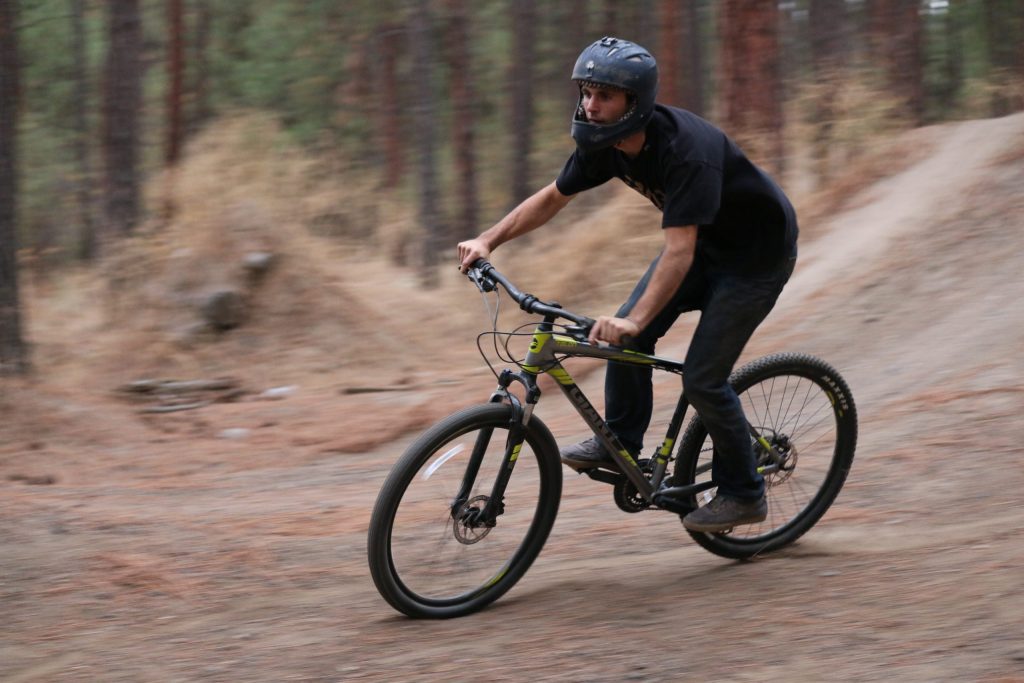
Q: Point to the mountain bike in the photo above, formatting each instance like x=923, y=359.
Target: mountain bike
x=467, y=508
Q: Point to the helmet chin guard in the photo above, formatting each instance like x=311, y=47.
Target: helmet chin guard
x=620, y=64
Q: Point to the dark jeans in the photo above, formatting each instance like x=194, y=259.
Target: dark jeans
x=731, y=308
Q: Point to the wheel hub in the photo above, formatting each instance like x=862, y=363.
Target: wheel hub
x=467, y=525
x=785, y=470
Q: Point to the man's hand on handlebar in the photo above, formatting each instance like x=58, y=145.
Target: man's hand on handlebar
x=613, y=330
x=470, y=251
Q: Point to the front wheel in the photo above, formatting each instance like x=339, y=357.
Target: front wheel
x=431, y=552
x=803, y=408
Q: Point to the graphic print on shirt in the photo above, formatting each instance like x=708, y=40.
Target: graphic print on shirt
x=657, y=197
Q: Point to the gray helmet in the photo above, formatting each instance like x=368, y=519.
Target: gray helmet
x=619, y=64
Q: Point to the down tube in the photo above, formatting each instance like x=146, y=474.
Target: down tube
x=601, y=429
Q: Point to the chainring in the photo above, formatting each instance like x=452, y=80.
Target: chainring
x=625, y=493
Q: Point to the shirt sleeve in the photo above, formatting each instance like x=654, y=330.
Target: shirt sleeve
x=583, y=172
x=693, y=194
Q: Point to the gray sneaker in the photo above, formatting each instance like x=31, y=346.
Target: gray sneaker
x=587, y=455
x=724, y=513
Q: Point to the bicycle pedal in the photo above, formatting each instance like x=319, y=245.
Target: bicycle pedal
x=601, y=475
x=675, y=505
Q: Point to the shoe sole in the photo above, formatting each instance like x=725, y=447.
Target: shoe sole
x=583, y=465
x=721, y=527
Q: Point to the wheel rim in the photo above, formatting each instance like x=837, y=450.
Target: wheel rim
x=444, y=558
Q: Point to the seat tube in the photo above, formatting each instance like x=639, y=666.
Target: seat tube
x=664, y=453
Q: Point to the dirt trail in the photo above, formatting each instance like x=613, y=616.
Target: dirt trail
x=164, y=553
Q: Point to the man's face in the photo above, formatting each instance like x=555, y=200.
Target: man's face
x=603, y=105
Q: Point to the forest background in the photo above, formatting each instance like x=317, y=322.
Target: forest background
x=429, y=118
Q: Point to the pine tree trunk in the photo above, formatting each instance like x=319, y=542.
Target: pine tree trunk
x=693, y=59
x=909, y=78
x=464, y=125
x=521, y=90
x=751, y=83
x=610, y=18
x=670, y=52
x=827, y=25
x=576, y=39
x=898, y=42
x=1004, y=31
x=13, y=352
x=87, y=239
x=425, y=115
x=122, y=102
x=175, y=79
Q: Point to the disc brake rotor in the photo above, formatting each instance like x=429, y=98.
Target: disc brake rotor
x=465, y=526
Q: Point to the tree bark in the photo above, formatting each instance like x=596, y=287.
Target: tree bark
x=670, y=52
x=898, y=41
x=521, y=90
x=13, y=352
x=610, y=18
x=1004, y=31
x=828, y=56
x=425, y=114
x=693, y=59
x=122, y=101
x=680, y=67
x=464, y=124
x=175, y=79
x=751, y=83
x=576, y=39
x=87, y=240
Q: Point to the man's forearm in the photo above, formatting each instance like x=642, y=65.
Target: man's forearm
x=665, y=280
x=532, y=213
x=674, y=264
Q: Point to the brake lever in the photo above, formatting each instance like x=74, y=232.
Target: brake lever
x=482, y=283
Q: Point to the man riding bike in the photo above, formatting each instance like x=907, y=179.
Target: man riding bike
x=730, y=246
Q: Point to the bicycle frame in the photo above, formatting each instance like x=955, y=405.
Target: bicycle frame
x=546, y=347
x=543, y=357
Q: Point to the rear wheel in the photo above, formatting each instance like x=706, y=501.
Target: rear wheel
x=804, y=409
x=434, y=556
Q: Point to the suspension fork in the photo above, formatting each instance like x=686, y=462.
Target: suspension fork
x=520, y=417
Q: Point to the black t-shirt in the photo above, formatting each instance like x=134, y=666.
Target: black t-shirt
x=696, y=175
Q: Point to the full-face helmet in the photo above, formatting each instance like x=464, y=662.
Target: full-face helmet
x=616, y=63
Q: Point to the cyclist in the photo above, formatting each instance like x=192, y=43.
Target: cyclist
x=730, y=246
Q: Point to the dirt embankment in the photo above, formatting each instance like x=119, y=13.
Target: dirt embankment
x=168, y=547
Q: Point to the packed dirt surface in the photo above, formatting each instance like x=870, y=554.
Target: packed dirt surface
x=228, y=542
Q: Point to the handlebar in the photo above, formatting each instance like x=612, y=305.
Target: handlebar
x=487, y=278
